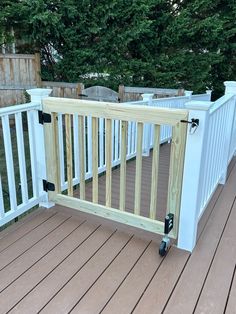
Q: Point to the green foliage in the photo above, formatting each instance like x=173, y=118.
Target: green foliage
x=188, y=44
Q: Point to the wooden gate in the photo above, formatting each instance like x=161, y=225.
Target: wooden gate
x=124, y=114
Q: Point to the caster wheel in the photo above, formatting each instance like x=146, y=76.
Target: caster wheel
x=163, y=248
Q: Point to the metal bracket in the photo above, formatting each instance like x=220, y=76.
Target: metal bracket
x=44, y=117
x=194, y=122
x=48, y=186
x=169, y=223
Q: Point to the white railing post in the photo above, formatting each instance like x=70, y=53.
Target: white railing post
x=147, y=127
x=209, y=92
x=36, y=95
x=230, y=89
x=188, y=93
x=192, y=176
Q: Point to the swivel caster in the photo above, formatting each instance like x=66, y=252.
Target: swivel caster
x=164, y=246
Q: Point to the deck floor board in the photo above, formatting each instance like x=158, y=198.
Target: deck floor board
x=62, y=261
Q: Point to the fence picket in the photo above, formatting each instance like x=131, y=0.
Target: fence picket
x=138, y=174
x=155, y=167
x=9, y=161
x=21, y=157
x=108, y=161
x=81, y=158
x=123, y=164
x=2, y=209
x=69, y=164
x=95, y=158
x=61, y=149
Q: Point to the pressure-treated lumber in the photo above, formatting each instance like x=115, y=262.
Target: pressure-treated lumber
x=155, y=168
x=124, y=126
x=52, y=154
x=116, y=111
x=108, y=161
x=69, y=165
x=81, y=158
x=176, y=171
x=138, y=175
x=95, y=158
x=112, y=214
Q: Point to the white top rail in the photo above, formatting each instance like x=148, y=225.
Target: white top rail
x=19, y=108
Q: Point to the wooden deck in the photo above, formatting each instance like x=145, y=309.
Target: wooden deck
x=61, y=261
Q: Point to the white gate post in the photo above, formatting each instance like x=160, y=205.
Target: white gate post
x=147, y=127
x=193, y=171
x=36, y=95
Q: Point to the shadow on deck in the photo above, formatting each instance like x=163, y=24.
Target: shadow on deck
x=61, y=261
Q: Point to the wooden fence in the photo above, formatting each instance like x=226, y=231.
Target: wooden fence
x=18, y=72
x=64, y=90
x=127, y=93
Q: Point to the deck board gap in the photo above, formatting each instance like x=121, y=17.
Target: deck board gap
x=43, y=256
x=126, y=276
x=213, y=257
x=53, y=214
x=231, y=284
x=118, y=253
x=80, y=268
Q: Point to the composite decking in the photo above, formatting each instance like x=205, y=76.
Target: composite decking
x=61, y=261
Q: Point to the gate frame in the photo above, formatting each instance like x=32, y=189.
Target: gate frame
x=123, y=112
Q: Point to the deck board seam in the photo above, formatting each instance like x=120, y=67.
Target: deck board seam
x=53, y=214
x=84, y=264
x=213, y=257
x=229, y=292
x=35, y=243
x=45, y=253
x=33, y=288
x=126, y=276
x=176, y=283
x=139, y=299
x=20, y=223
x=105, y=270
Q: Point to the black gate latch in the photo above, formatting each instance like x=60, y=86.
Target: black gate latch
x=194, y=125
x=169, y=223
x=194, y=122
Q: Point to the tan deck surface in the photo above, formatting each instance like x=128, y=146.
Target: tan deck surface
x=60, y=261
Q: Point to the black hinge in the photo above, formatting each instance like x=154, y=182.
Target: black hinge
x=169, y=223
x=48, y=186
x=44, y=117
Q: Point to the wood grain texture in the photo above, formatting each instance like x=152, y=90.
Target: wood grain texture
x=124, y=127
x=95, y=158
x=81, y=158
x=115, y=111
x=108, y=154
x=52, y=155
x=69, y=163
x=178, y=142
x=112, y=214
x=138, y=172
x=155, y=166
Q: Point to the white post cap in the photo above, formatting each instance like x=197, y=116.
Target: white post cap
x=147, y=96
x=230, y=87
x=37, y=94
x=188, y=93
x=208, y=91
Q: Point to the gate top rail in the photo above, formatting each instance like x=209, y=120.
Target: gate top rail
x=115, y=111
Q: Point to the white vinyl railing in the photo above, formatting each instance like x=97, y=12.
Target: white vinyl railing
x=208, y=153
x=209, y=150
x=21, y=189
